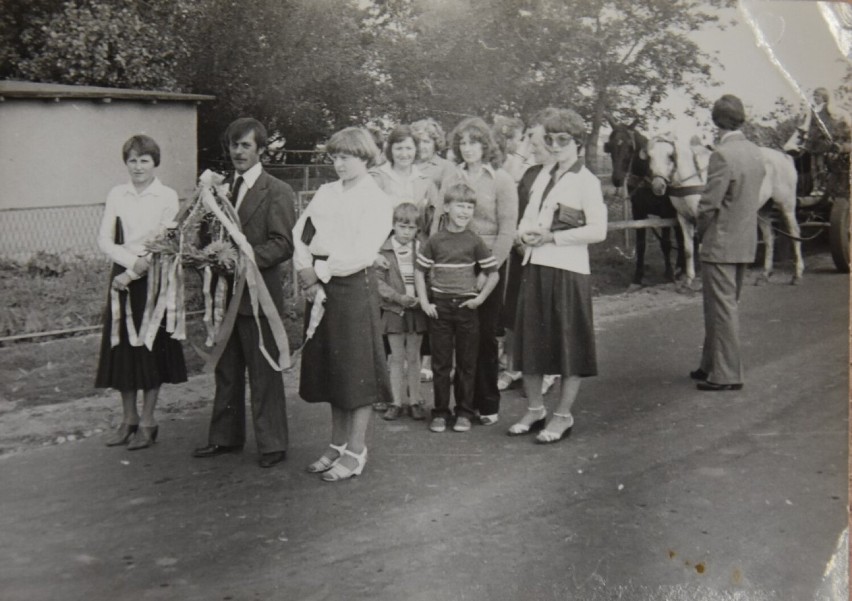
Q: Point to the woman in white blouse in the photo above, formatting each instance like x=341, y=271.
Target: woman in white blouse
x=134, y=214
x=337, y=238
x=554, y=330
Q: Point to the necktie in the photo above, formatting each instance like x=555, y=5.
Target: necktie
x=235, y=193
x=551, y=182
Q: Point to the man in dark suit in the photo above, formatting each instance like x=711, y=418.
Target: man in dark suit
x=727, y=227
x=266, y=208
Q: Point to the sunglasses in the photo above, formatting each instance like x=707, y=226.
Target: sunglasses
x=558, y=140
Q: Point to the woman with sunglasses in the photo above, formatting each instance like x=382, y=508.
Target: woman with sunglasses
x=554, y=331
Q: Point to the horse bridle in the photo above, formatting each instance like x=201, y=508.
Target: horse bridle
x=680, y=191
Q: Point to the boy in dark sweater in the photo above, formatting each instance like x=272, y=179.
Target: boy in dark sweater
x=451, y=257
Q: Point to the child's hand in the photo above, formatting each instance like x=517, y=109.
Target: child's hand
x=409, y=302
x=429, y=309
x=480, y=281
x=472, y=303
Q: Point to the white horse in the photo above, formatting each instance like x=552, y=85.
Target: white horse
x=681, y=168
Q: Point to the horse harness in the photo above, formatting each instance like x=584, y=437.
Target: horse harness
x=681, y=191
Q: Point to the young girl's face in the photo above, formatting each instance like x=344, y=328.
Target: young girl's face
x=349, y=167
x=403, y=153
x=426, y=146
x=404, y=232
x=471, y=150
x=141, y=168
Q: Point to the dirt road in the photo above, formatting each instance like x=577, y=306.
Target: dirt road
x=663, y=492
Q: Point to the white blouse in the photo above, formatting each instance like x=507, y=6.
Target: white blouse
x=351, y=226
x=144, y=216
x=578, y=189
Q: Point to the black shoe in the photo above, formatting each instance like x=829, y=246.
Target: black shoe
x=698, y=374
x=145, y=437
x=717, y=387
x=212, y=450
x=122, y=435
x=270, y=459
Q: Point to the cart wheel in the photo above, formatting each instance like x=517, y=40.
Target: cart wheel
x=838, y=234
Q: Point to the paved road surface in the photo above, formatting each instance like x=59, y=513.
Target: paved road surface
x=663, y=492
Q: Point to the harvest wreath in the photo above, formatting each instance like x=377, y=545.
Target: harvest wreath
x=206, y=237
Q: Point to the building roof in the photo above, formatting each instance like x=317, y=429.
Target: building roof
x=55, y=91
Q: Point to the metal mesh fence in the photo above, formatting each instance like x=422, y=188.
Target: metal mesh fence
x=72, y=231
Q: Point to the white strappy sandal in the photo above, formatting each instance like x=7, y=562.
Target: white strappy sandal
x=324, y=463
x=340, y=472
x=520, y=428
x=548, y=437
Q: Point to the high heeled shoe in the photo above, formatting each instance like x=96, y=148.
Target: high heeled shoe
x=122, y=435
x=520, y=428
x=548, y=437
x=324, y=463
x=145, y=437
x=340, y=472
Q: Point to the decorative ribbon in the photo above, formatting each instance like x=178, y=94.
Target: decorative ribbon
x=166, y=296
x=247, y=273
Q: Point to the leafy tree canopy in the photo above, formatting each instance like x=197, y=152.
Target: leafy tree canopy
x=306, y=68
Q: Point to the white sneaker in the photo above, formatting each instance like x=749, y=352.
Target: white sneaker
x=489, y=420
x=462, y=424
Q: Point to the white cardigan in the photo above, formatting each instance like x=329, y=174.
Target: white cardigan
x=578, y=189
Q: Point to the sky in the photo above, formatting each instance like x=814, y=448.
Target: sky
x=793, y=33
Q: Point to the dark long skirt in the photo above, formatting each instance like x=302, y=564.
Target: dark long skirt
x=554, y=328
x=127, y=367
x=344, y=363
x=510, y=286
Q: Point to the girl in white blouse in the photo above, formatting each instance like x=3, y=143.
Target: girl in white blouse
x=337, y=238
x=135, y=213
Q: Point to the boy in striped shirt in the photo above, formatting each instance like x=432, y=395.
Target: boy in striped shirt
x=451, y=257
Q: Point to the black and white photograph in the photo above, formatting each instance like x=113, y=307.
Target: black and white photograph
x=425, y=300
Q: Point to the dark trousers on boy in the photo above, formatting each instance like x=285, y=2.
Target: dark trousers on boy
x=456, y=329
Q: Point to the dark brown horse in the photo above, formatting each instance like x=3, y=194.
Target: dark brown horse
x=627, y=147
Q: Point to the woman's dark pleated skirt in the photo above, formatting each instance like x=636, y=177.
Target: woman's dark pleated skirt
x=128, y=367
x=554, y=328
x=344, y=363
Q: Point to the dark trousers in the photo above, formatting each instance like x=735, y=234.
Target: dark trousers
x=720, y=357
x=486, y=395
x=268, y=408
x=456, y=329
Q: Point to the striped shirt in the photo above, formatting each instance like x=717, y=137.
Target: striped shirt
x=451, y=259
x=405, y=259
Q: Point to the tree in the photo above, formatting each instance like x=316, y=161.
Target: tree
x=96, y=42
x=624, y=56
x=299, y=67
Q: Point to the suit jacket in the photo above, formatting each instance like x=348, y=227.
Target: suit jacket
x=267, y=215
x=727, y=211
